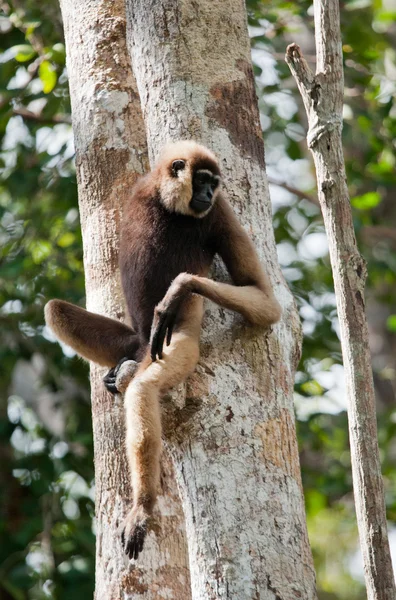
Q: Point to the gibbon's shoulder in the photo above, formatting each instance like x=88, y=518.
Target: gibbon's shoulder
x=145, y=187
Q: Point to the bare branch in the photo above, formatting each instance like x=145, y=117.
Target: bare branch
x=377, y=233
x=323, y=100
x=293, y=190
x=320, y=119
x=299, y=67
x=31, y=116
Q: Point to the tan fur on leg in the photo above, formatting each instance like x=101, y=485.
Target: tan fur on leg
x=143, y=419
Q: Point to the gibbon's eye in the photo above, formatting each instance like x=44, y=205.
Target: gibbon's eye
x=215, y=182
x=178, y=165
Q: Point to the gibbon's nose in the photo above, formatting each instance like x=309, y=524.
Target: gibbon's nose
x=205, y=193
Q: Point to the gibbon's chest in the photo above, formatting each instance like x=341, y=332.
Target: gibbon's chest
x=164, y=243
x=155, y=247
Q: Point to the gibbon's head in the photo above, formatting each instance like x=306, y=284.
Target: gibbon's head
x=189, y=178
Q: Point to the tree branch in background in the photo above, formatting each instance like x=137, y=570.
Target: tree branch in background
x=299, y=193
x=31, y=116
x=322, y=95
x=372, y=234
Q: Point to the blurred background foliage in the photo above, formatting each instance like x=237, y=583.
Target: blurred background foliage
x=46, y=471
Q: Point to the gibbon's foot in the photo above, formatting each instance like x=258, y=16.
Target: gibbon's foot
x=135, y=531
x=117, y=379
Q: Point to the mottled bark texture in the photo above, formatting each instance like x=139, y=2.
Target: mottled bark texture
x=231, y=430
x=111, y=151
x=322, y=94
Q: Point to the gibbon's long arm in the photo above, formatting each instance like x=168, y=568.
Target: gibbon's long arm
x=251, y=295
x=94, y=337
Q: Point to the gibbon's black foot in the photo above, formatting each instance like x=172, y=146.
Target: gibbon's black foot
x=117, y=379
x=134, y=532
x=109, y=381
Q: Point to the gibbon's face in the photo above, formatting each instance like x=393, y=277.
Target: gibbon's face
x=203, y=187
x=189, y=179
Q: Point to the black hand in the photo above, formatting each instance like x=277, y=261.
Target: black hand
x=164, y=328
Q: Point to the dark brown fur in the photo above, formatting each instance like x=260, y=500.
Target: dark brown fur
x=156, y=246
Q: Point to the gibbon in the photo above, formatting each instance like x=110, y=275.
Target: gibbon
x=177, y=220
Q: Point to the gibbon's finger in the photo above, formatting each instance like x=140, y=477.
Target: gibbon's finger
x=112, y=388
x=117, y=379
x=110, y=374
x=162, y=333
x=156, y=346
x=165, y=322
x=170, y=331
x=135, y=542
x=109, y=380
x=153, y=344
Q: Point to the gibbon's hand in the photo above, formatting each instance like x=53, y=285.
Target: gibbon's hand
x=165, y=314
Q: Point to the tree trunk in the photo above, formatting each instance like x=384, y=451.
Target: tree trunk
x=231, y=432
x=323, y=99
x=111, y=152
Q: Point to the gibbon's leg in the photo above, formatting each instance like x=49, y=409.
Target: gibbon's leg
x=94, y=337
x=143, y=419
x=256, y=303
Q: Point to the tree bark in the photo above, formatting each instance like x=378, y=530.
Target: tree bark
x=111, y=152
x=323, y=99
x=231, y=432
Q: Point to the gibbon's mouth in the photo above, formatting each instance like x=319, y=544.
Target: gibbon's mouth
x=200, y=205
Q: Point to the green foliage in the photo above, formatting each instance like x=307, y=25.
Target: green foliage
x=46, y=536
x=366, y=201
x=391, y=323
x=47, y=74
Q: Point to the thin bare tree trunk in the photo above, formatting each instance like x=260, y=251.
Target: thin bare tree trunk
x=232, y=433
x=323, y=99
x=111, y=152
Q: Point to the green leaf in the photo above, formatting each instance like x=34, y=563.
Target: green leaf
x=24, y=52
x=386, y=16
x=367, y=201
x=40, y=249
x=391, y=323
x=312, y=388
x=315, y=501
x=30, y=27
x=48, y=76
x=58, y=54
x=67, y=239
